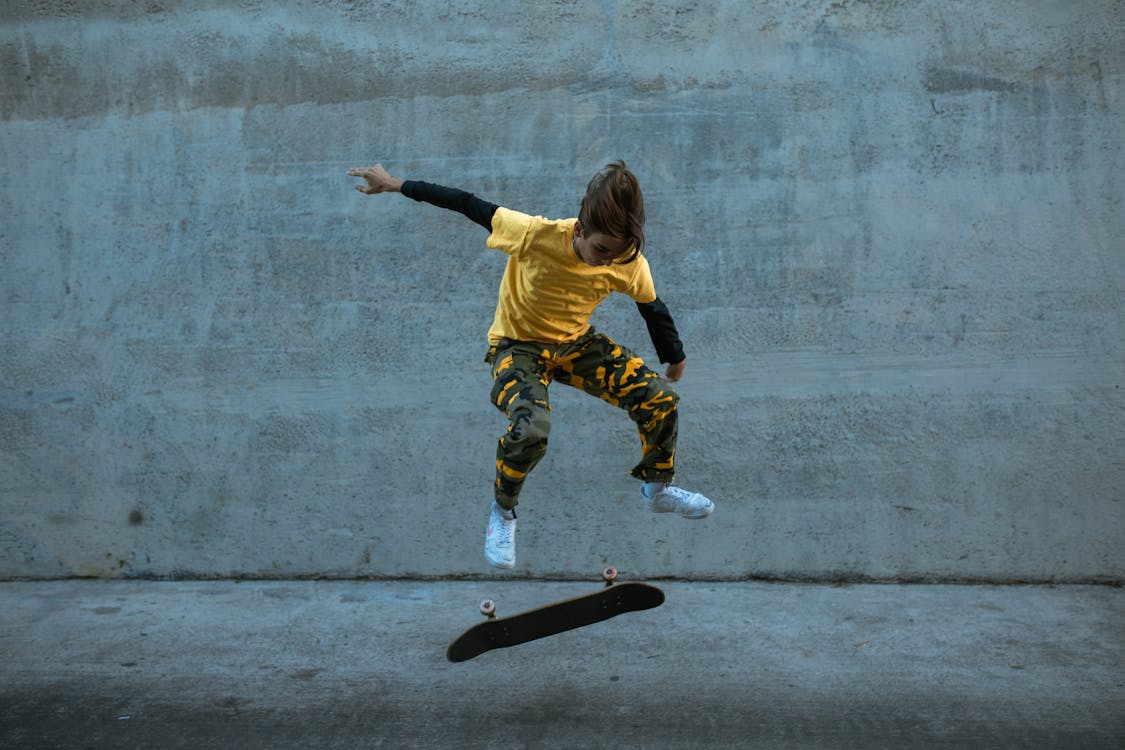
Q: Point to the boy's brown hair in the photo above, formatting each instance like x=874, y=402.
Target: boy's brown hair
x=613, y=205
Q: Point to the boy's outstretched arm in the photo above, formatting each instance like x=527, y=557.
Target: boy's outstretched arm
x=379, y=181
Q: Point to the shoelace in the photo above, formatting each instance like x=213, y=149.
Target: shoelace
x=504, y=532
x=682, y=496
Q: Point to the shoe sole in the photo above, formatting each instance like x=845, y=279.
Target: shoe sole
x=504, y=565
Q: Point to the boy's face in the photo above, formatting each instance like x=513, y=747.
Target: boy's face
x=597, y=248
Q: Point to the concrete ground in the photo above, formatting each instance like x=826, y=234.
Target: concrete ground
x=127, y=664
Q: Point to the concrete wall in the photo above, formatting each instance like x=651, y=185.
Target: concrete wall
x=891, y=235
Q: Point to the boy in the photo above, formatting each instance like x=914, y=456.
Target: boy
x=557, y=273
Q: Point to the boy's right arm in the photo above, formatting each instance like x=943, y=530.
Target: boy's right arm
x=379, y=181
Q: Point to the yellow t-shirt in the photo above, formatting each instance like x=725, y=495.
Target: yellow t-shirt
x=548, y=293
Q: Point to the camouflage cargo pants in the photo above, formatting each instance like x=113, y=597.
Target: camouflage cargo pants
x=522, y=371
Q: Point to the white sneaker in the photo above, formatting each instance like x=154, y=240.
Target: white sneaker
x=500, y=540
x=669, y=499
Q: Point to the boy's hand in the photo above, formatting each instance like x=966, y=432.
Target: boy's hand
x=378, y=181
x=675, y=372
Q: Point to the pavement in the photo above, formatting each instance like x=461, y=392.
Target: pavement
x=325, y=664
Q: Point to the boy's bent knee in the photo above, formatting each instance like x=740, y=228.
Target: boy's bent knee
x=657, y=405
x=530, y=423
x=657, y=396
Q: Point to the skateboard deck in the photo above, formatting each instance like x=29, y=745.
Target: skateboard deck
x=550, y=619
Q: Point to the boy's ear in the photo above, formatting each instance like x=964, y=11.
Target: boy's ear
x=578, y=228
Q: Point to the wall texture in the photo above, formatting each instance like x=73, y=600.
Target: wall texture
x=891, y=234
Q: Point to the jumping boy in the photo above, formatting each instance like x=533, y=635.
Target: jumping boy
x=557, y=273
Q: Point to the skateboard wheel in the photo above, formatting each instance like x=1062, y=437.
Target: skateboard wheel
x=488, y=608
x=609, y=575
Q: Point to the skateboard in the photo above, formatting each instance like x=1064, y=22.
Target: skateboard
x=550, y=619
